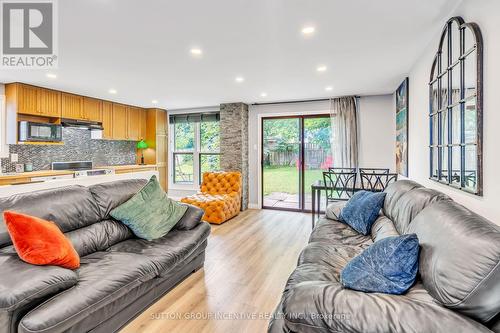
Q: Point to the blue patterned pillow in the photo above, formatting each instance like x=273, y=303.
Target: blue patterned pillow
x=362, y=210
x=387, y=266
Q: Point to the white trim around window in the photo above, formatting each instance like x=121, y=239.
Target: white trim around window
x=196, y=153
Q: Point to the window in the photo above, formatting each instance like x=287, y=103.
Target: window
x=195, y=146
x=455, y=104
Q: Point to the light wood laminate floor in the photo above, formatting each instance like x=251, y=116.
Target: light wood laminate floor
x=248, y=261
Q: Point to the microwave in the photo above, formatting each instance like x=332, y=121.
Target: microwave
x=39, y=132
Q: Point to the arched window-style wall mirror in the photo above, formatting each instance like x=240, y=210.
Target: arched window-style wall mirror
x=456, y=108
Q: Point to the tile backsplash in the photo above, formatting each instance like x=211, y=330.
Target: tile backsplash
x=78, y=146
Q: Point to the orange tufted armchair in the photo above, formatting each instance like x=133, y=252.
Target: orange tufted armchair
x=220, y=196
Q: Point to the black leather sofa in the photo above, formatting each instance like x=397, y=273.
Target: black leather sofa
x=458, y=288
x=119, y=276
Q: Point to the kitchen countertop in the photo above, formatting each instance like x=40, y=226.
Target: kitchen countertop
x=125, y=167
x=48, y=173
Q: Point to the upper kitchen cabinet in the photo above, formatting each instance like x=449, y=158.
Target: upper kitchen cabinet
x=144, y=127
x=120, y=123
x=134, y=123
x=27, y=99
x=92, y=109
x=49, y=103
x=161, y=121
x=107, y=120
x=72, y=106
x=34, y=101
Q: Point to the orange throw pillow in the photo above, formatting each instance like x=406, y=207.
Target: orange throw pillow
x=40, y=242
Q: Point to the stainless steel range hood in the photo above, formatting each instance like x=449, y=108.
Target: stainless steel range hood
x=84, y=124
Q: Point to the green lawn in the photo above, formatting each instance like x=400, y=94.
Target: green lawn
x=286, y=179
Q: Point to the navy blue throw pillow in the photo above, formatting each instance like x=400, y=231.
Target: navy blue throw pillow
x=362, y=210
x=388, y=266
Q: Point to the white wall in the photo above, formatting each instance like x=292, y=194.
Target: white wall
x=377, y=132
x=485, y=13
x=376, y=126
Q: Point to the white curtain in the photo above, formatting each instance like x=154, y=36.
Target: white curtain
x=343, y=115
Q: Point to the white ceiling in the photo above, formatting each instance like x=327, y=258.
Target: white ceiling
x=141, y=48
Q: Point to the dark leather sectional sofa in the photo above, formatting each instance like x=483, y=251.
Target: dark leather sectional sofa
x=119, y=275
x=458, y=288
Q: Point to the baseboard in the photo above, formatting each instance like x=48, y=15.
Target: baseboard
x=253, y=206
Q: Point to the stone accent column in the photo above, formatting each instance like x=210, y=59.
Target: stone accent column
x=234, y=143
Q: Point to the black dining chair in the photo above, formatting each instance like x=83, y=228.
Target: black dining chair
x=339, y=186
x=341, y=170
x=377, y=182
x=372, y=170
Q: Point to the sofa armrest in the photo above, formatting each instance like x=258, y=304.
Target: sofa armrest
x=192, y=217
x=22, y=283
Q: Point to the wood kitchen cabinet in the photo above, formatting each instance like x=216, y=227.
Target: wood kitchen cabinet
x=133, y=123
x=120, y=122
x=49, y=103
x=161, y=123
x=72, y=106
x=35, y=101
x=144, y=127
x=27, y=99
x=92, y=109
x=107, y=120
x=157, y=140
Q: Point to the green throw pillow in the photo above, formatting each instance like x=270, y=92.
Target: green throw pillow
x=150, y=214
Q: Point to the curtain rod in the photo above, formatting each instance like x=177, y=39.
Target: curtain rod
x=301, y=101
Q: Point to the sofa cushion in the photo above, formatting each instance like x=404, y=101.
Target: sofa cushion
x=334, y=209
x=311, y=272
x=394, y=192
x=388, y=266
x=190, y=219
x=22, y=283
x=40, y=242
x=169, y=250
x=102, y=278
x=112, y=194
x=149, y=213
x=70, y=207
x=460, y=258
x=333, y=256
x=411, y=203
x=362, y=210
x=98, y=236
x=318, y=306
x=383, y=228
x=335, y=232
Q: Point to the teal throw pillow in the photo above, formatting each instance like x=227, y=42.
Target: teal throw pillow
x=150, y=214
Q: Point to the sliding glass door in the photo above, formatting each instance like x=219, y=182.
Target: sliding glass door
x=281, y=150
x=317, y=154
x=295, y=152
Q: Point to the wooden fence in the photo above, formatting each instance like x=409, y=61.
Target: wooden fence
x=314, y=155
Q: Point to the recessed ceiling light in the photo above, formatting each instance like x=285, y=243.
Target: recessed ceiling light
x=263, y=94
x=196, y=51
x=329, y=88
x=321, y=68
x=112, y=91
x=154, y=101
x=308, y=30
x=239, y=79
x=51, y=76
